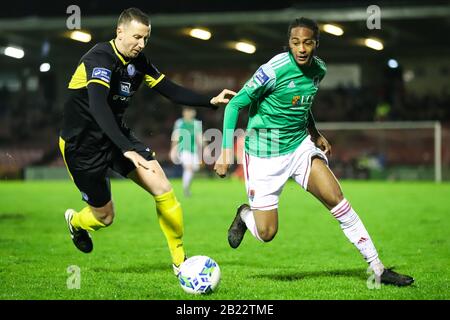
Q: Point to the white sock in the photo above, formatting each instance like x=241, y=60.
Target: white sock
x=355, y=231
x=249, y=219
x=187, y=179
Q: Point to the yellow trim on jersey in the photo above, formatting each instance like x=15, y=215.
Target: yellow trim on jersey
x=79, y=78
x=117, y=52
x=98, y=81
x=151, y=82
x=62, y=147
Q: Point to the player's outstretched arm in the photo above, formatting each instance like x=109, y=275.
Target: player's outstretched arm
x=226, y=158
x=222, y=98
x=185, y=96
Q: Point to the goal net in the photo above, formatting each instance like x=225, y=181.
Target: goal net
x=389, y=150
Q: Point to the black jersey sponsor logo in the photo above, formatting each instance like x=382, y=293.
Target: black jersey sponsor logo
x=121, y=98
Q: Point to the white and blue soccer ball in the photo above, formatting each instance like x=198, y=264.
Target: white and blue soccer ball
x=199, y=275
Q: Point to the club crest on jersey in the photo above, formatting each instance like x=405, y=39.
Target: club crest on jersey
x=102, y=74
x=261, y=77
x=131, y=69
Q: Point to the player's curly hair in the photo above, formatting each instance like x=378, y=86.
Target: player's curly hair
x=303, y=22
x=130, y=14
x=307, y=23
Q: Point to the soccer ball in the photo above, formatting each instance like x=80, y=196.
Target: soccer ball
x=199, y=275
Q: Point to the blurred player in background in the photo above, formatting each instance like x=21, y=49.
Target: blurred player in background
x=94, y=137
x=283, y=142
x=187, y=145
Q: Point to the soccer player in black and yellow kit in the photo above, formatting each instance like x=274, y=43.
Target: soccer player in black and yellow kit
x=94, y=137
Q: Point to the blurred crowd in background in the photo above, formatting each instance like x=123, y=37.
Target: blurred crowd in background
x=34, y=118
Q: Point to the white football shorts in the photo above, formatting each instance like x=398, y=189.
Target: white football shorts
x=189, y=159
x=266, y=177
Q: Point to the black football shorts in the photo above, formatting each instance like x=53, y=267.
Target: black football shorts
x=89, y=169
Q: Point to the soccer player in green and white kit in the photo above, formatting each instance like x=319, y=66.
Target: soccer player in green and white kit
x=186, y=145
x=283, y=142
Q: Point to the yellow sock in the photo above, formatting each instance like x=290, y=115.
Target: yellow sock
x=86, y=220
x=170, y=218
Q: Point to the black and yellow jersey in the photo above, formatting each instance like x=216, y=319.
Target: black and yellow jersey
x=100, y=91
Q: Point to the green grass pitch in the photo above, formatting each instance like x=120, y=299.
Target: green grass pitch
x=310, y=258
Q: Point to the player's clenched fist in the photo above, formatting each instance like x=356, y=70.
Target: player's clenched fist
x=223, y=163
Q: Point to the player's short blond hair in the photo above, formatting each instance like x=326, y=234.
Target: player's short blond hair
x=131, y=14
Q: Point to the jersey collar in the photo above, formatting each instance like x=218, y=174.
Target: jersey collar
x=118, y=54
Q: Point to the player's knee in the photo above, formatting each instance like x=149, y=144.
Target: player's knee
x=267, y=234
x=163, y=187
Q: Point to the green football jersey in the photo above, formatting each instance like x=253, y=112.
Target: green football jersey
x=187, y=131
x=281, y=94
